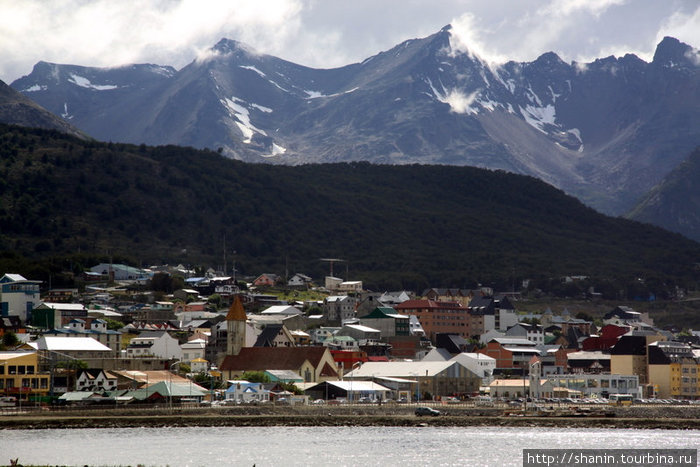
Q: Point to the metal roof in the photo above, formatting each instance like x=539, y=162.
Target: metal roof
x=55, y=343
x=400, y=369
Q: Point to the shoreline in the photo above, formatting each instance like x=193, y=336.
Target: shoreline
x=326, y=416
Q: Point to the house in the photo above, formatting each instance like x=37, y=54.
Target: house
x=520, y=387
x=362, y=334
x=193, y=350
x=320, y=334
x=312, y=363
x=495, y=312
x=335, y=284
x=299, y=281
x=170, y=391
x=532, y=332
x=71, y=348
x=336, y=342
x=266, y=280
x=387, y=321
x=158, y=344
x=20, y=376
x=121, y=272
x=49, y=315
x=18, y=297
x=452, y=343
x=275, y=335
x=339, y=308
x=244, y=392
x=511, y=353
x=95, y=380
x=61, y=295
x=91, y=327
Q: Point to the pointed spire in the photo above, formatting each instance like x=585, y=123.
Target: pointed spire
x=236, y=312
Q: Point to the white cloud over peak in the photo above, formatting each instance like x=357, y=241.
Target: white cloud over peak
x=326, y=33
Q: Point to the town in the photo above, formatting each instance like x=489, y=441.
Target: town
x=220, y=340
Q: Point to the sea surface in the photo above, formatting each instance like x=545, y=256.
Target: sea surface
x=316, y=446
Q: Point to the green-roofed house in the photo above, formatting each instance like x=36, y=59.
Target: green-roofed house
x=165, y=389
x=388, y=321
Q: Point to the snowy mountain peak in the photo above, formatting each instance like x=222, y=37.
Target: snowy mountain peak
x=230, y=46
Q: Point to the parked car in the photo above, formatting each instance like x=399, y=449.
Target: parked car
x=421, y=411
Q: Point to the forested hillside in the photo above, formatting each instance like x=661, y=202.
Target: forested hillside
x=398, y=226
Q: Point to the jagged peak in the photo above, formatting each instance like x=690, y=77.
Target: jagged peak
x=227, y=47
x=672, y=52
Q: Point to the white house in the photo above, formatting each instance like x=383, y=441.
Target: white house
x=244, y=392
x=154, y=344
x=193, y=350
x=96, y=380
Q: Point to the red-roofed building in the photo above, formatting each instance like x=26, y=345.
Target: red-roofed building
x=314, y=364
x=606, y=339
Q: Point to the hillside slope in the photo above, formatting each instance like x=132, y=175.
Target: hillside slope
x=675, y=202
x=398, y=226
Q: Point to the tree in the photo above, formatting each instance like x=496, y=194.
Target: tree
x=9, y=341
x=255, y=377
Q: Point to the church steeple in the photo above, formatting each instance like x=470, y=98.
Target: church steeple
x=235, y=326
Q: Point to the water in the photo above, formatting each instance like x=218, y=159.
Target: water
x=316, y=446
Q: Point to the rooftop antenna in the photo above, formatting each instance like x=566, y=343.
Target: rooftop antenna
x=331, y=261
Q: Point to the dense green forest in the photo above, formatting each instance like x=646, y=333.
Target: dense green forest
x=66, y=202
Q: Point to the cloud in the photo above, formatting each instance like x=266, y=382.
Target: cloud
x=322, y=33
x=107, y=32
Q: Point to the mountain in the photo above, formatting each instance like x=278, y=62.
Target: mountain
x=675, y=202
x=397, y=226
x=605, y=131
x=17, y=109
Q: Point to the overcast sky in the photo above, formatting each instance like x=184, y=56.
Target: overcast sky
x=330, y=33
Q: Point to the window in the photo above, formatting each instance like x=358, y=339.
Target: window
x=21, y=370
x=30, y=369
x=9, y=383
x=44, y=383
x=25, y=382
x=35, y=383
x=12, y=370
x=2, y=369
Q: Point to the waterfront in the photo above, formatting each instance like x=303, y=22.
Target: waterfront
x=316, y=446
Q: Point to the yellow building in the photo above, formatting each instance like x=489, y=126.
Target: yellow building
x=674, y=370
x=20, y=377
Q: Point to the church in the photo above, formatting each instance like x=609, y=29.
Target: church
x=313, y=364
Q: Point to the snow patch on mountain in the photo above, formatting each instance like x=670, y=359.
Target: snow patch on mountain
x=85, y=83
x=538, y=117
x=241, y=113
x=458, y=101
x=252, y=68
x=261, y=108
x=35, y=88
x=317, y=94
x=276, y=151
x=66, y=115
